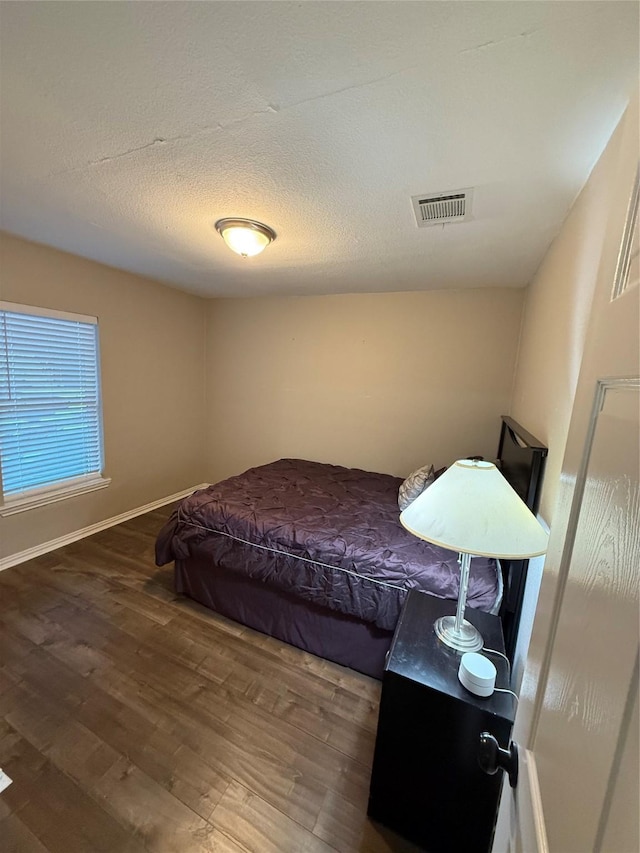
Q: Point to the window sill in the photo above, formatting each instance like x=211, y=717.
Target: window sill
x=48, y=496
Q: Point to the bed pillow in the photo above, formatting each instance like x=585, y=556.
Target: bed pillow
x=414, y=485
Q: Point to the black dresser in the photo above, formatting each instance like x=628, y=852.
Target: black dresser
x=426, y=783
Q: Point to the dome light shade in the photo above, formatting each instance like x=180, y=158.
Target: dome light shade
x=245, y=237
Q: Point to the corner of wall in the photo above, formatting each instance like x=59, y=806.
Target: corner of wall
x=516, y=362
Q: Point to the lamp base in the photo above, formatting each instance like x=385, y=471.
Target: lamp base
x=466, y=639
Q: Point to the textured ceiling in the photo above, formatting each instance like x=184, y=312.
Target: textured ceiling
x=128, y=128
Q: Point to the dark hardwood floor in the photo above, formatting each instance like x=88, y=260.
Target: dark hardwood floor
x=132, y=719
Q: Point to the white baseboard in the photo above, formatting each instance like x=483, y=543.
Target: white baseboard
x=45, y=547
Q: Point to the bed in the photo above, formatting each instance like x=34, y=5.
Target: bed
x=315, y=555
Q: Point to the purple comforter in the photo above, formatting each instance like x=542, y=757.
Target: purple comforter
x=328, y=534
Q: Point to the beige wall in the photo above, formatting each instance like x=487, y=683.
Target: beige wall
x=555, y=318
x=385, y=382
x=152, y=357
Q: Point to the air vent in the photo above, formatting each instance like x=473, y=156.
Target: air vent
x=439, y=208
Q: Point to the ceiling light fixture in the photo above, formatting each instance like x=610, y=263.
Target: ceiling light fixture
x=245, y=237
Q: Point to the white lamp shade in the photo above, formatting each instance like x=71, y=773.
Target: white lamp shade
x=473, y=510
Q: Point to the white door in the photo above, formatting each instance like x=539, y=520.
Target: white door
x=577, y=725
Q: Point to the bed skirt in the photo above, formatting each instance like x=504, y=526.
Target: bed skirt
x=343, y=639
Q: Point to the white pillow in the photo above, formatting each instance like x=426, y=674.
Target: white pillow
x=414, y=485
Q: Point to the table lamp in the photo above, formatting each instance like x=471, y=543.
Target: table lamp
x=472, y=509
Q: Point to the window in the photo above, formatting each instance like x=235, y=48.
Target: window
x=50, y=408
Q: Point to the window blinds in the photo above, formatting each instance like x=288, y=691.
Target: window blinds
x=50, y=418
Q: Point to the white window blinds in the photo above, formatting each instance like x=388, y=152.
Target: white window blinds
x=50, y=414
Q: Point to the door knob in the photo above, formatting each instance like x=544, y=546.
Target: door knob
x=491, y=757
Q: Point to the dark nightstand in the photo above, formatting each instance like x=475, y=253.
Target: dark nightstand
x=426, y=783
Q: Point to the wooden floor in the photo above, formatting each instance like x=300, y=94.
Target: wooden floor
x=134, y=720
